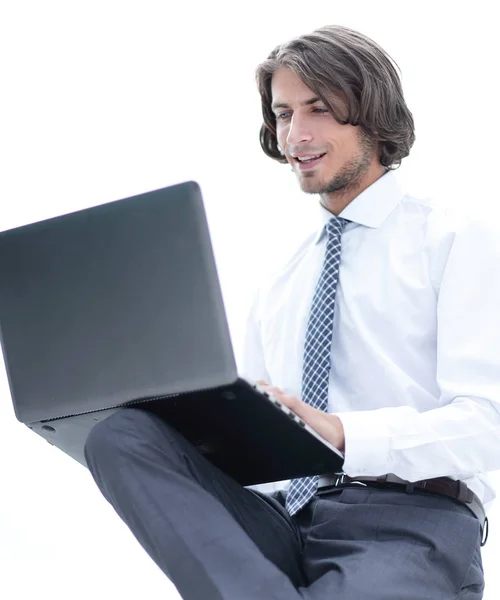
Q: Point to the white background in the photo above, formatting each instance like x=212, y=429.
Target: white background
x=101, y=100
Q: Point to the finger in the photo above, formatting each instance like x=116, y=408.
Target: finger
x=295, y=404
x=270, y=389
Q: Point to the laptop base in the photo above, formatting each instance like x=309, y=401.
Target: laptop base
x=238, y=429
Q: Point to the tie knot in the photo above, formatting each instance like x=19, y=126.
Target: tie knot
x=335, y=226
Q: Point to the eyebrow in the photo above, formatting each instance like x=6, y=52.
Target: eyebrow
x=276, y=105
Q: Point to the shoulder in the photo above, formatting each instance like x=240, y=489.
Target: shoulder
x=437, y=221
x=454, y=238
x=440, y=216
x=456, y=226
x=446, y=218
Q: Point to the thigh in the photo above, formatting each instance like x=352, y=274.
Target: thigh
x=385, y=544
x=141, y=437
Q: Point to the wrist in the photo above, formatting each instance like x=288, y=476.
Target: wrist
x=339, y=433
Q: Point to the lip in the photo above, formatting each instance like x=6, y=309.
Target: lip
x=310, y=165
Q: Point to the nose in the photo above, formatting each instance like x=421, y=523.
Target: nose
x=298, y=132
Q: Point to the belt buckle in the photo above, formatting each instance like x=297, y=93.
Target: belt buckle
x=339, y=480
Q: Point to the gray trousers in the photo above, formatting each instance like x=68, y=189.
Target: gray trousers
x=216, y=540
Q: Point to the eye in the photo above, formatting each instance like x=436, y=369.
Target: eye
x=282, y=116
x=320, y=110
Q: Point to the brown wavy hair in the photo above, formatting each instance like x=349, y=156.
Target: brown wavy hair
x=351, y=74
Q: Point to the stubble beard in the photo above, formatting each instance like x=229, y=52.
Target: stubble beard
x=350, y=175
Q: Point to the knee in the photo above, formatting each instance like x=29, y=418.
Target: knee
x=116, y=434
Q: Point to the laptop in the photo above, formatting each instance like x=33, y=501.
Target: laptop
x=119, y=306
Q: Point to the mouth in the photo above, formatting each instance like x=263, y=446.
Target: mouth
x=305, y=163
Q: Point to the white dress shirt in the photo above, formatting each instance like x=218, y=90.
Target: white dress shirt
x=415, y=375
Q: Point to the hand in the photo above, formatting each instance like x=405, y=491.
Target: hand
x=329, y=427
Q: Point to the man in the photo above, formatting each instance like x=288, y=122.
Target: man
x=382, y=332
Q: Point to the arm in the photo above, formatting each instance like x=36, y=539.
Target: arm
x=462, y=435
x=252, y=364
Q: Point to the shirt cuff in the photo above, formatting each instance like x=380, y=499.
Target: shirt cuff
x=367, y=443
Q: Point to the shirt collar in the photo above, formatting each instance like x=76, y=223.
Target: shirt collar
x=371, y=208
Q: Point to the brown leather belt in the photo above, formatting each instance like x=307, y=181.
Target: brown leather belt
x=444, y=486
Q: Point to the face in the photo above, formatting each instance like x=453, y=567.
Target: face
x=327, y=157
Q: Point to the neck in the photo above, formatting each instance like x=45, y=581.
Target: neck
x=335, y=202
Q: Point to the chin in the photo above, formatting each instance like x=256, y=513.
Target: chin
x=310, y=185
x=310, y=189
